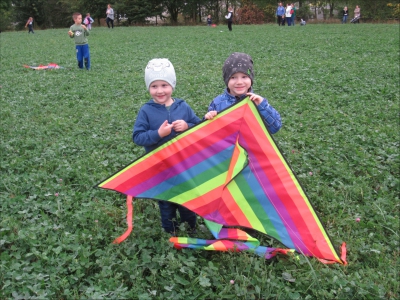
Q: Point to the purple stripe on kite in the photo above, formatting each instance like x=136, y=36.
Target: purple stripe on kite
x=216, y=217
x=242, y=246
x=268, y=208
x=265, y=184
x=212, y=166
x=184, y=165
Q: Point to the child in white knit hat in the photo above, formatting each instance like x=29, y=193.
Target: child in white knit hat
x=238, y=76
x=159, y=120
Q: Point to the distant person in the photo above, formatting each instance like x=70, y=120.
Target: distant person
x=110, y=16
x=159, y=120
x=29, y=24
x=288, y=14
x=229, y=17
x=238, y=76
x=209, y=20
x=88, y=21
x=357, y=14
x=280, y=13
x=345, y=15
x=293, y=11
x=79, y=33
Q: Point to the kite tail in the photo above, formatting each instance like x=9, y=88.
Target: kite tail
x=129, y=217
x=343, y=251
x=228, y=239
x=227, y=245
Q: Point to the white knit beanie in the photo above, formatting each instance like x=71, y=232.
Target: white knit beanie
x=160, y=69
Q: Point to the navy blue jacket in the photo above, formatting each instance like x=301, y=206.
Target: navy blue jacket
x=270, y=115
x=152, y=115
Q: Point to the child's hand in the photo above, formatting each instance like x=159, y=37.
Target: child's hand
x=83, y=26
x=180, y=125
x=70, y=33
x=210, y=115
x=255, y=98
x=165, y=129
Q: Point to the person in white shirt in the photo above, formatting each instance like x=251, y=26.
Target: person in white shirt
x=288, y=14
x=229, y=17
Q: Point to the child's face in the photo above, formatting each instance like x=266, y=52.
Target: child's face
x=78, y=20
x=161, y=92
x=239, y=84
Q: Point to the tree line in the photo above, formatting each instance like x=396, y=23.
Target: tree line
x=57, y=13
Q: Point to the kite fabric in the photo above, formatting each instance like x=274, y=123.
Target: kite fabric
x=50, y=66
x=229, y=171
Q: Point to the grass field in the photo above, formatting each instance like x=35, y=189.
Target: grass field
x=337, y=90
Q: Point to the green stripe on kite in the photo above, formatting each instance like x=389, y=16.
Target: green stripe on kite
x=230, y=172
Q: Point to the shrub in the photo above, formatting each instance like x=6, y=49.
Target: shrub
x=304, y=13
x=249, y=14
x=269, y=13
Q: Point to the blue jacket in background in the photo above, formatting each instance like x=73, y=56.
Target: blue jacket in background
x=280, y=11
x=271, y=117
x=152, y=115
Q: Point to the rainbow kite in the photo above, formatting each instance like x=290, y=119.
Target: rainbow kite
x=230, y=172
x=50, y=66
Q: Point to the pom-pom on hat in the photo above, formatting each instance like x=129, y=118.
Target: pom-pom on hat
x=238, y=62
x=160, y=69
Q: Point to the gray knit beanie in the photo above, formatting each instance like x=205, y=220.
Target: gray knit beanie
x=160, y=69
x=237, y=62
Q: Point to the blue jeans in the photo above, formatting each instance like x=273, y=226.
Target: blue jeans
x=83, y=55
x=168, y=216
x=344, y=20
x=289, y=21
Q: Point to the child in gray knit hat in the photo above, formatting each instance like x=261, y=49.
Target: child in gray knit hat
x=238, y=76
x=159, y=120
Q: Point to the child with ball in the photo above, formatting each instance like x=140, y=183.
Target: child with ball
x=159, y=120
x=238, y=76
x=79, y=33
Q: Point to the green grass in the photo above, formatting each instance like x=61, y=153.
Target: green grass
x=62, y=131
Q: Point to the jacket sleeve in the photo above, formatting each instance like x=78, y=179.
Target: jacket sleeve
x=193, y=118
x=270, y=115
x=212, y=106
x=142, y=134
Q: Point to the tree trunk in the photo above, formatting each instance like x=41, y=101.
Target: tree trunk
x=199, y=10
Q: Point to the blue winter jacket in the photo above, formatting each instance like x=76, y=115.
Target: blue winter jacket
x=271, y=117
x=280, y=11
x=152, y=115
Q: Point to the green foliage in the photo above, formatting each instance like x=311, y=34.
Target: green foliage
x=270, y=13
x=57, y=13
x=304, y=13
x=5, y=21
x=138, y=10
x=46, y=13
x=62, y=131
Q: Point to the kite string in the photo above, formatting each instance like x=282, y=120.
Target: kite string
x=129, y=217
